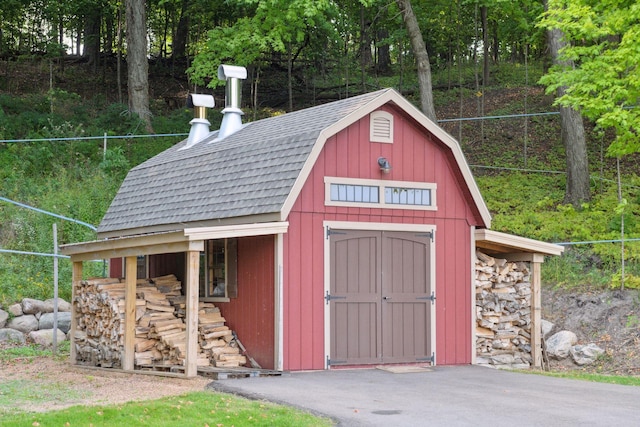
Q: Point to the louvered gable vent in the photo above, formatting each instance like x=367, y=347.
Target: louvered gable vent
x=381, y=127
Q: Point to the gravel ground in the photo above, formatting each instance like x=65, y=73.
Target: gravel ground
x=43, y=384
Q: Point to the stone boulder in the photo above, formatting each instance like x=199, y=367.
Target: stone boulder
x=545, y=327
x=4, y=316
x=62, y=305
x=44, y=337
x=559, y=344
x=11, y=335
x=15, y=310
x=34, y=306
x=64, y=321
x=24, y=324
x=585, y=354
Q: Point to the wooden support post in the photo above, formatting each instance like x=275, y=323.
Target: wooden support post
x=76, y=278
x=131, y=272
x=536, y=315
x=191, y=296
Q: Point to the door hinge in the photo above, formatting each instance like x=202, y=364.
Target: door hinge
x=335, y=362
x=431, y=297
x=328, y=297
x=431, y=359
x=331, y=232
x=428, y=234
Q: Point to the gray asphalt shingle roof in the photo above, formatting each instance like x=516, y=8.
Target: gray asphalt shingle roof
x=250, y=172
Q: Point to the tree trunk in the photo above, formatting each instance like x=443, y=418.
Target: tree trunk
x=422, y=58
x=485, y=46
x=137, y=64
x=179, y=48
x=365, y=46
x=577, y=189
x=92, y=37
x=383, y=56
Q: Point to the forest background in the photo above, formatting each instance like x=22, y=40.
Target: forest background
x=69, y=132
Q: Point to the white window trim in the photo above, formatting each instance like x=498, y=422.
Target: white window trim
x=381, y=184
x=380, y=115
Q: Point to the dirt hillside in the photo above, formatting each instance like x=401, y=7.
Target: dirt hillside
x=610, y=319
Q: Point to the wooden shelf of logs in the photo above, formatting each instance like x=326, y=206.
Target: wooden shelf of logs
x=160, y=340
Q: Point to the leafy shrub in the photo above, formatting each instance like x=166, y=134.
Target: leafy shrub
x=631, y=281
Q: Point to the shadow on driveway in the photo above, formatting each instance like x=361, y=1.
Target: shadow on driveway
x=445, y=395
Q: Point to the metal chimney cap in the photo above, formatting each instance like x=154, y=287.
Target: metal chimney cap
x=231, y=71
x=200, y=100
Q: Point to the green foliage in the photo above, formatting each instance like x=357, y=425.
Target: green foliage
x=530, y=205
x=605, y=46
x=631, y=281
x=76, y=179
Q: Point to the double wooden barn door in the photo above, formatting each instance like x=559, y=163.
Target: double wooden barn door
x=380, y=297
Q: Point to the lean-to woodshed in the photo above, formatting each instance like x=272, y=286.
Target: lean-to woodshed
x=342, y=234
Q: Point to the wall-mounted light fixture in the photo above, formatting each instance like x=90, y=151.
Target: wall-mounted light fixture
x=384, y=164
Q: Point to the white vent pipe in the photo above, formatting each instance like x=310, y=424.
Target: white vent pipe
x=199, y=125
x=232, y=119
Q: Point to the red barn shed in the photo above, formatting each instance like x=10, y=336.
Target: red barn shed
x=342, y=234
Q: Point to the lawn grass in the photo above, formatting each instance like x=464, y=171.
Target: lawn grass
x=587, y=376
x=192, y=409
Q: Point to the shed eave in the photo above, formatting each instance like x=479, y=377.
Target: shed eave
x=144, y=244
x=242, y=230
x=509, y=243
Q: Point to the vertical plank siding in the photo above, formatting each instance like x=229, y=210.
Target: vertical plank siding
x=414, y=156
x=251, y=314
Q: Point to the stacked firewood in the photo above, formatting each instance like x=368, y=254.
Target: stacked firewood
x=160, y=330
x=503, y=311
x=99, y=333
x=215, y=338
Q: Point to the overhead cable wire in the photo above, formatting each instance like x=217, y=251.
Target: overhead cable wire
x=101, y=137
x=22, y=205
x=9, y=251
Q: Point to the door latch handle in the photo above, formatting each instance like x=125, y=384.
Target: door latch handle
x=386, y=298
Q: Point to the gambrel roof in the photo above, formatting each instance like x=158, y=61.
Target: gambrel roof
x=253, y=175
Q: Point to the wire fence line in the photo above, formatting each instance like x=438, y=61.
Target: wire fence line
x=55, y=215
x=86, y=138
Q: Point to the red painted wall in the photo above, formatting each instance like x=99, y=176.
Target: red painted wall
x=252, y=314
x=414, y=156
x=116, y=267
x=164, y=264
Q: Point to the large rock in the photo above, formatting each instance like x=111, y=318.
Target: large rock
x=24, y=324
x=559, y=344
x=585, y=354
x=62, y=305
x=33, y=306
x=11, y=335
x=64, y=321
x=502, y=359
x=3, y=318
x=44, y=337
x=15, y=310
x=545, y=327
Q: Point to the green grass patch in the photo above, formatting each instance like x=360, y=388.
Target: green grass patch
x=33, y=392
x=192, y=409
x=586, y=376
x=26, y=352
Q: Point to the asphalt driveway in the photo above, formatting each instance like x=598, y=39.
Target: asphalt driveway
x=451, y=396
